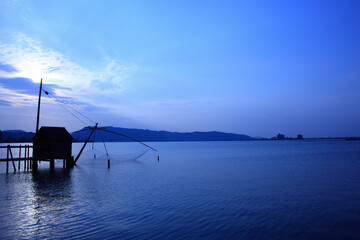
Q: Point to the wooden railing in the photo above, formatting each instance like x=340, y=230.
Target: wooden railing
x=23, y=155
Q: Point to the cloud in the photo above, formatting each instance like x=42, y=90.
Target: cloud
x=27, y=86
x=4, y=103
x=16, y=99
x=6, y=68
x=24, y=61
x=27, y=58
x=20, y=85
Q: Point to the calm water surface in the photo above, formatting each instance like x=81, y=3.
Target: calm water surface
x=198, y=190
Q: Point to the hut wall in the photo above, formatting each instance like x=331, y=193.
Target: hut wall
x=60, y=149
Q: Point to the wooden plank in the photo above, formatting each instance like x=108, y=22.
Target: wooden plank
x=30, y=146
x=20, y=159
x=27, y=158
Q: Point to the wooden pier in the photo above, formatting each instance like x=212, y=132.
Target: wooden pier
x=25, y=156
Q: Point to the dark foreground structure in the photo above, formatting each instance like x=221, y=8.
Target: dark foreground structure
x=52, y=143
x=49, y=143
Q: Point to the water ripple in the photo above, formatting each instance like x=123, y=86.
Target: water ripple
x=239, y=190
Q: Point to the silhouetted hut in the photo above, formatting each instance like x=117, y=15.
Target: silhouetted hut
x=52, y=143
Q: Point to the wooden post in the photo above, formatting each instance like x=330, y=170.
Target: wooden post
x=52, y=164
x=12, y=160
x=34, y=164
x=70, y=162
x=19, y=157
x=35, y=161
x=25, y=157
x=29, y=162
x=108, y=163
x=38, y=110
x=7, y=159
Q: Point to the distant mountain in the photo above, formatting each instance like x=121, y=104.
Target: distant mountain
x=142, y=135
x=16, y=136
x=145, y=135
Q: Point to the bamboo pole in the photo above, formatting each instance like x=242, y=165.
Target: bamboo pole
x=77, y=157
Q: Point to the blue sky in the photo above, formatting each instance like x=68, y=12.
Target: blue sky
x=252, y=67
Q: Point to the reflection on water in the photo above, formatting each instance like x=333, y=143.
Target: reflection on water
x=52, y=190
x=32, y=201
x=52, y=196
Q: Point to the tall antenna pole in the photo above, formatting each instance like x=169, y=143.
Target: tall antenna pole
x=38, y=110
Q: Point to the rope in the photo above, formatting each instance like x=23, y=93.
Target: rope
x=129, y=138
x=102, y=129
x=67, y=109
x=81, y=130
x=64, y=103
x=102, y=139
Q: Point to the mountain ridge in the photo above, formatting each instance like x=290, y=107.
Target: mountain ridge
x=144, y=135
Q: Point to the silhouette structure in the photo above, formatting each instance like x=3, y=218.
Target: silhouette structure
x=53, y=143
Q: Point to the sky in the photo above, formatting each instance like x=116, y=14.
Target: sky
x=252, y=67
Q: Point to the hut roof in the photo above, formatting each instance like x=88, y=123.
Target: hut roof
x=54, y=133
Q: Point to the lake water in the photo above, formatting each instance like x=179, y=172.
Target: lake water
x=198, y=190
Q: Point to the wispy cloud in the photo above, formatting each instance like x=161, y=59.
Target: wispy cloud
x=29, y=59
x=16, y=99
x=6, y=68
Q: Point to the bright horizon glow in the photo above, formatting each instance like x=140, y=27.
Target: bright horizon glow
x=245, y=67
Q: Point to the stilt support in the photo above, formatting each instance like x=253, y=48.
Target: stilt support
x=52, y=164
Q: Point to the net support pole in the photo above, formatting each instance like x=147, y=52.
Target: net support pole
x=87, y=140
